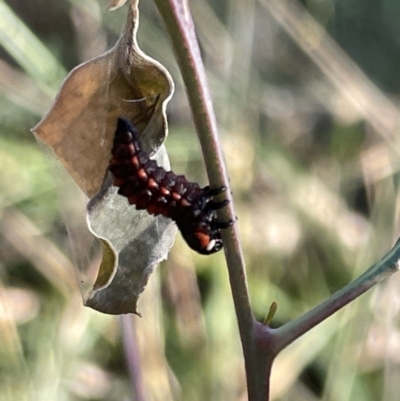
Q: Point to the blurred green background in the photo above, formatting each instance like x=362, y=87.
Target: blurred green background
x=309, y=126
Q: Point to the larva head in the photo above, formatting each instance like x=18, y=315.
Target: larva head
x=203, y=239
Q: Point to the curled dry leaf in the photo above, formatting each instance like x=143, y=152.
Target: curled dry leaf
x=81, y=124
x=80, y=128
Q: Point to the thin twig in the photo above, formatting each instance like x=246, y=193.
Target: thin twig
x=179, y=23
x=291, y=331
x=132, y=357
x=260, y=343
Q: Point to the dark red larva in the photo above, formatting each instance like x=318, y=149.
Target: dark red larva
x=150, y=187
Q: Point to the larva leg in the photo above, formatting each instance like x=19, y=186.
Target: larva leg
x=209, y=192
x=211, y=205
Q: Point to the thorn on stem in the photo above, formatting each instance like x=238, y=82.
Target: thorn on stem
x=271, y=313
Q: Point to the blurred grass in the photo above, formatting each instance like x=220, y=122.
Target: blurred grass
x=310, y=141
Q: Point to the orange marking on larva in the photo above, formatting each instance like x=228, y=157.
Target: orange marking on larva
x=164, y=191
x=131, y=148
x=185, y=203
x=142, y=174
x=176, y=196
x=203, y=238
x=135, y=161
x=152, y=184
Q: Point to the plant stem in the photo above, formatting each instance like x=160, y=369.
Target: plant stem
x=132, y=357
x=179, y=23
x=382, y=269
x=260, y=343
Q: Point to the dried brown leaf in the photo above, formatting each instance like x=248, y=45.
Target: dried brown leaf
x=81, y=124
x=80, y=128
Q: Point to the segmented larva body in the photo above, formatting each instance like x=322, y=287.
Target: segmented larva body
x=160, y=192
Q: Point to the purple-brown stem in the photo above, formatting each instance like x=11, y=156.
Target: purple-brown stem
x=382, y=269
x=260, y=343
x=179, y=23
x=132, y=356
x=272, y=341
